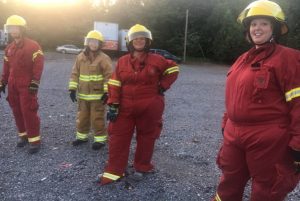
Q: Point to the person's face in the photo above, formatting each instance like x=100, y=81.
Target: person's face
x=260, y=30
x=93, y=44
x=139, y=43
x=15, y=32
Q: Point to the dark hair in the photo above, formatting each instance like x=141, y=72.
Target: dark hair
x=131, y=49
x=276, y=27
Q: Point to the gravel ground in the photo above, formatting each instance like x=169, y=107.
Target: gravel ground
x=184, y=154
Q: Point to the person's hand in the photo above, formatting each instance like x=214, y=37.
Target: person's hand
x=296, y=157
x=2, y=88
x=104, y=98
x=112, y=113
x=33, y=87
x=73, y=95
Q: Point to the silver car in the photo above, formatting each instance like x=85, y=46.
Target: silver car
x=71, y=49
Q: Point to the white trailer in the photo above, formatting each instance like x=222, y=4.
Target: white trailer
x=110, y=33
x=3, y=38
x=122, y=40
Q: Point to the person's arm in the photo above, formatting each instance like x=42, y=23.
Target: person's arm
x=38, y=64
x=290, y=84
x=5, y=72
x=74, y=79
x=114, y=88
x=107, y=72
x=170, y=71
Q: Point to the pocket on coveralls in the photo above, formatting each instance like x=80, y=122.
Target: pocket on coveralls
x=261, y=79
x=261, y=82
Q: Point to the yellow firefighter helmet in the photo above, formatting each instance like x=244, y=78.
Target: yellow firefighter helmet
x=14, y=20
x=138, y=31
x=96, y=35
x=263, y=8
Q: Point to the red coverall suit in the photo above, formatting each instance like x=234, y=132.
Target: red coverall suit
x=23, y=62
x=135, y=86
x=262, y=121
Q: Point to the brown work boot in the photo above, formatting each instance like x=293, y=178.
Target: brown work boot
x=78, y=142
x=22, y=142
x=97, y=145
x=34, y=148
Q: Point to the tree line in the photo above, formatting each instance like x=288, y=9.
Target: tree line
x=213, y=31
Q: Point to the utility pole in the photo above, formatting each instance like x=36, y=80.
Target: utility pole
x=185, y=34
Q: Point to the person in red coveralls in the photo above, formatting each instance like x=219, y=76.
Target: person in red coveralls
x=22, y=69
x=136, y=103
x=262, y=119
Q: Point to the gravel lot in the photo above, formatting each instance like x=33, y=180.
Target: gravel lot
x=184, y=155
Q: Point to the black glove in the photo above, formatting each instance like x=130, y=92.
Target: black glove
x=296, y=157
x=2, y=88
x=161, y=91
x=73, y=95
x=112, y=113
x=33, y=87
x=104, y=98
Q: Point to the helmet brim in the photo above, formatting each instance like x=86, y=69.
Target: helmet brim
x=141, y=34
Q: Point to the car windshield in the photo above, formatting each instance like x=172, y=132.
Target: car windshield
x=71, y=46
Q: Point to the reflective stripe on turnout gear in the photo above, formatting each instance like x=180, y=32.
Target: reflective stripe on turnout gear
x=100, y=138
x=73, y=84
x=105, y=88
x=217, y=198
x=89, y=97
x=81, y=136
x=114, y=82
x=88, y=78
x=171, y=70
x=22, y=134
x=34, y=55
x=294, y=93
x=111, y=176
x=34, y=139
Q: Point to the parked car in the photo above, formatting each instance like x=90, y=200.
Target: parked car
x=166, y=54
x=71, y=49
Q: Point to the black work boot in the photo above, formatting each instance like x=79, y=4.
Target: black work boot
x=22, y=142
x=139, y=176
x=97, y=145
x=34, y=148
x=78, y=142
